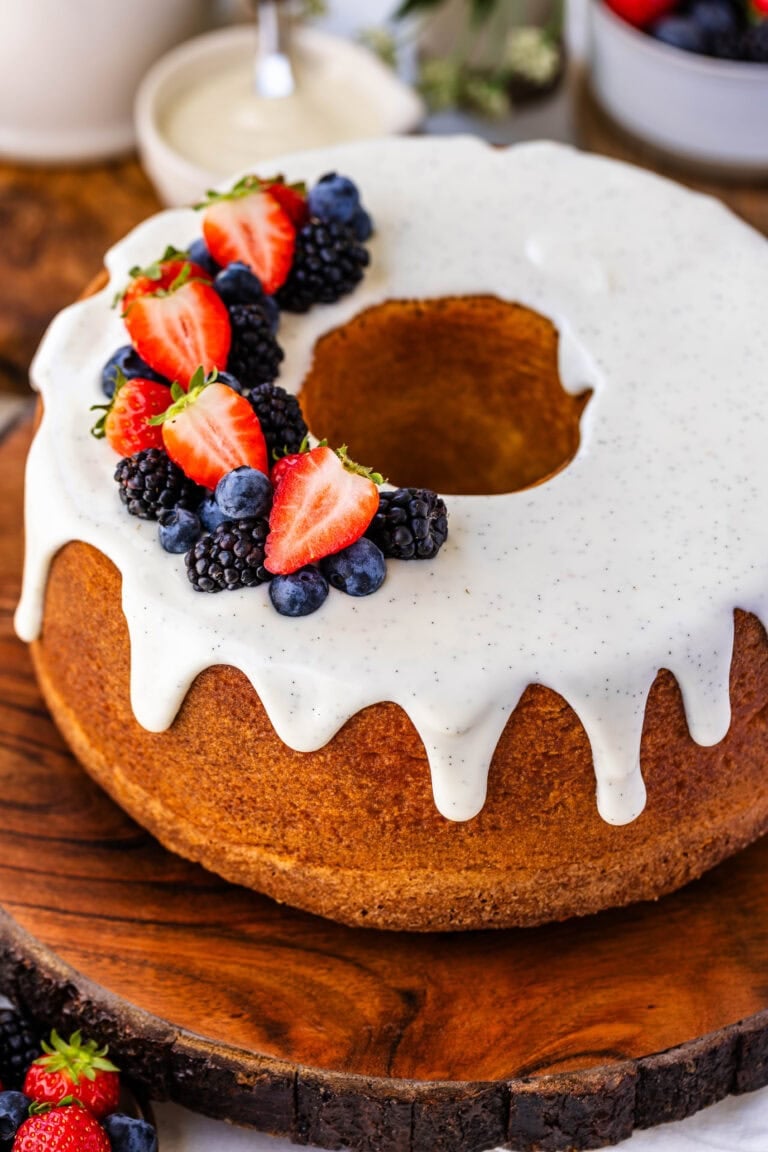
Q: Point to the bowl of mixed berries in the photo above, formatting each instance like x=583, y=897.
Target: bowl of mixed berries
x=688, y=76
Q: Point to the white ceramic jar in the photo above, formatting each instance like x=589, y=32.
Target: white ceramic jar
x=69, y=70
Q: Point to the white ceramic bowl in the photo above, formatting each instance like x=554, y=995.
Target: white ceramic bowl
x=391, y=106
x=712, y=112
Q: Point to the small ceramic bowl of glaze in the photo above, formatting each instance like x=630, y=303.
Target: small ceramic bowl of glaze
x=705, y=111
x=198, y=120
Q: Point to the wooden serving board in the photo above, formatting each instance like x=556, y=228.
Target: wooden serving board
x=566, y=1036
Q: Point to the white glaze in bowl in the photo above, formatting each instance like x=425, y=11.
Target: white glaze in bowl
x=360, y=98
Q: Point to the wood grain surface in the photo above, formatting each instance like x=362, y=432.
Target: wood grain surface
x=56, y=224
x=561, y=1037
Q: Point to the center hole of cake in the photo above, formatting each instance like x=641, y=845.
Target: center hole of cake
x=460, y=394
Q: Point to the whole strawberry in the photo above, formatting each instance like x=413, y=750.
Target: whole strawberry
x=125, y=420
x=78, y=1069
x=67, y=1127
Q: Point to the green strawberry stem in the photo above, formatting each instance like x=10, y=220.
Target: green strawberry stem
x=99, y=429
x=246, y=186
x=77, y=1058
x=358, y=469
x=182, y=399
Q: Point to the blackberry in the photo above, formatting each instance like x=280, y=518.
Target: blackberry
x=150, y=483
x=756, y=43
x=230, y=557
x=727, y=45
x=328, y=262
x=281, y=419
x=19, y=1046
x=255, y=355
x=411, y=524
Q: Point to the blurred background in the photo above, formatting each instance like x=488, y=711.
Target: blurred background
x=108, y=111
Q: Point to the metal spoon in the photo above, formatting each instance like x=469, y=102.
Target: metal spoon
x=272, y=72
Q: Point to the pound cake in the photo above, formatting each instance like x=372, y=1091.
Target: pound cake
x=564, y=708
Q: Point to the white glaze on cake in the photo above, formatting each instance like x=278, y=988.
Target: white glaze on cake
x=630, y=560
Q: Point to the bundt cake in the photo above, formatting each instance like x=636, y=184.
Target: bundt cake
x=535, y=723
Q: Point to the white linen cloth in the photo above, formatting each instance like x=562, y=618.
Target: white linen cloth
x=736, y=1124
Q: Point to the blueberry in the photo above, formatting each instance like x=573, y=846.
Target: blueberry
x=272, y=309
x=179, y=529
x=680, y=32
x=14, y=1110
x=244, y=492
x=357, y=570
x=237, y=284
x=210, y=514
x=199, y=254
x=129, y=1134
x=126, y=360
x=362, y=225
x=334, y=198
x=715, y=17
x=230, y=381
x=299, y=593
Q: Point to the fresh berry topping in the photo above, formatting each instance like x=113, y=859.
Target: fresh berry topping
x=70, y=1128
x=334, y=198
x=230, y=558
x=323, y=503
x=299, y=593
x=180, y=323
x=357, y=570
x=78, y=1068
x=244, y=493
x=198, y=253
x=150, y=483
x=129, y=1133
x=641, y=13
x=210, y=430
x=19, y=1046
x=255, y=355
x=292, y=198
x=281, y=418
x=410, y=524
x=179, y=529
x=210, y=514
x=127, y=361
x=125, y=420
x=14, y=1110
x=249, y=225
x=328, y=263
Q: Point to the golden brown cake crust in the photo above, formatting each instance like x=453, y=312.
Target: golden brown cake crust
x=351, y=831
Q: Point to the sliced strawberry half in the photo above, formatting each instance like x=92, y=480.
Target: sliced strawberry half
x=248, y=224
x=210, y=430
x=322, y=504
x=180, y=326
